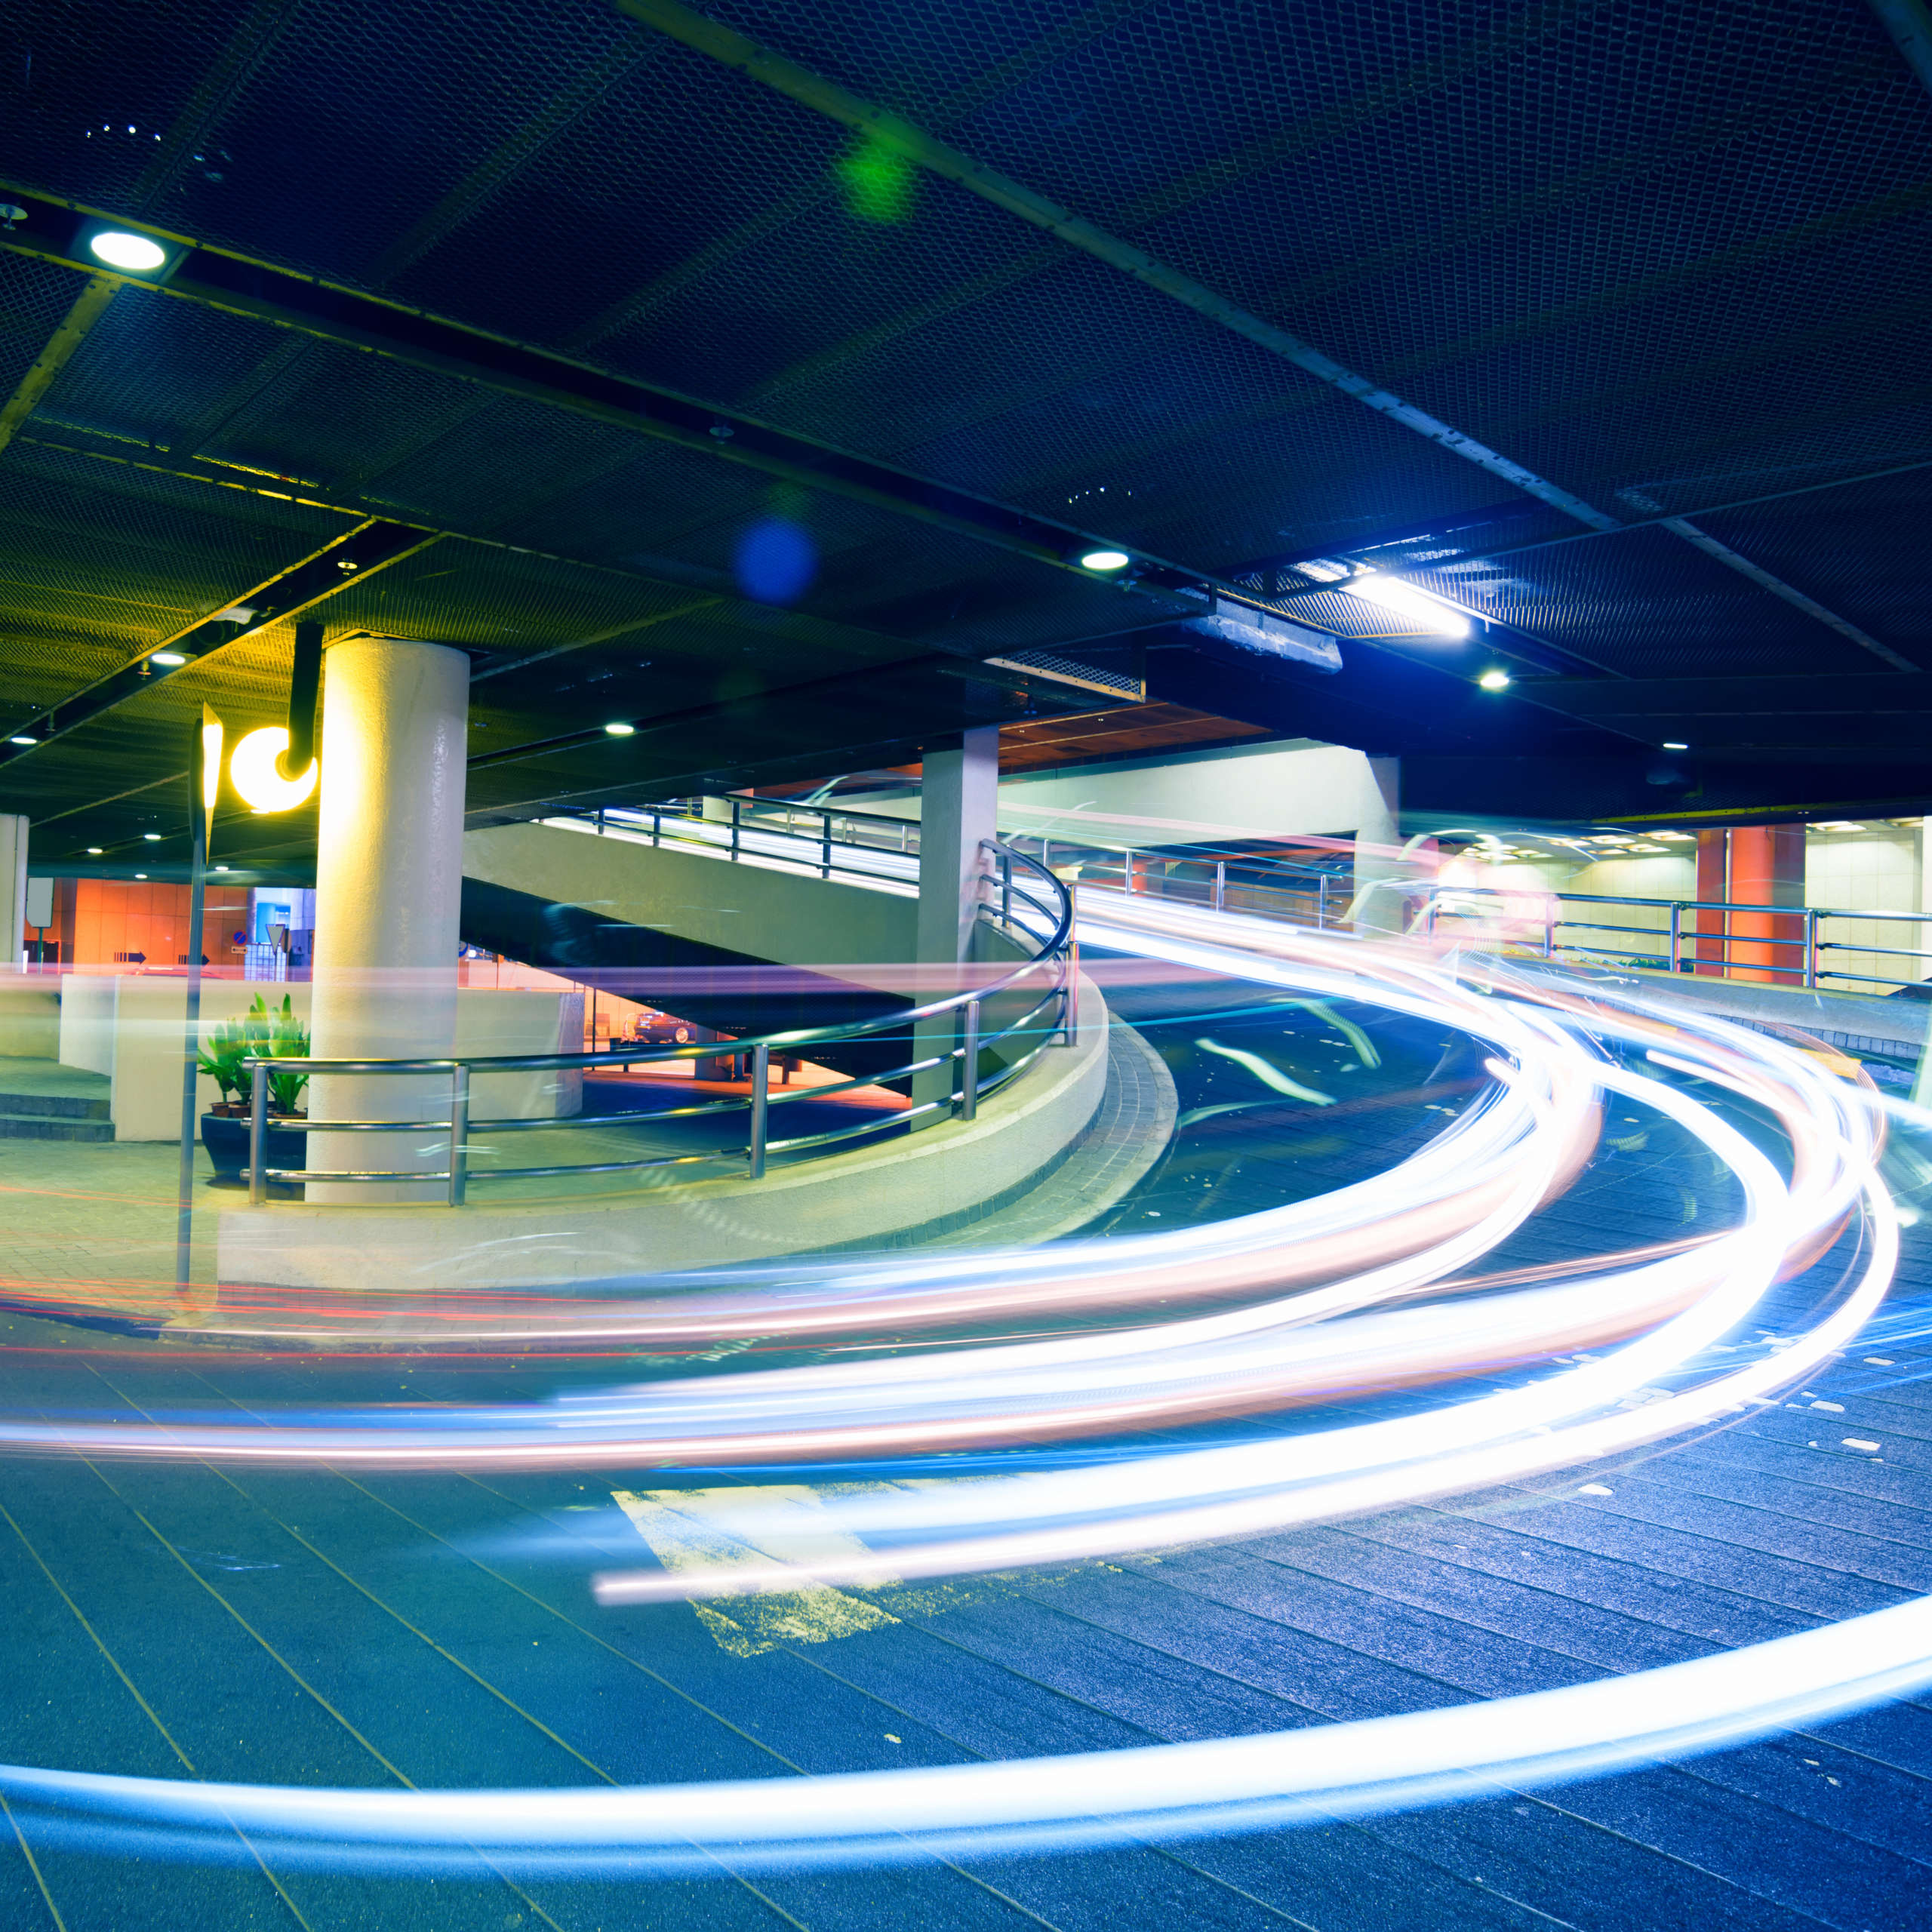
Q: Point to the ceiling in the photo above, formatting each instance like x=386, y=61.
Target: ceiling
x=756, y=376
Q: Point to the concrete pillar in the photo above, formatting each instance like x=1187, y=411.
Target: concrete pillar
x=1767, y=869
x=1380, y=907
x=958, y=801
x=1713, y=883
x=389, y=890
x=13, y=887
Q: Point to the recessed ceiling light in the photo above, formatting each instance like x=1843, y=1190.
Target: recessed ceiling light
x=17, y=740
x=169, y=657
x=1412, y=602
x=1494, y=680
x=93, y=851
x=140, y=875
x=152, y=838
x=618, y=730
x=1671, y=745
x=221, y=869
x=1105, y=560
x=137, y=254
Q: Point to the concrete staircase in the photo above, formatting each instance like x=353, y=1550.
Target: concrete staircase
x=42, y=1100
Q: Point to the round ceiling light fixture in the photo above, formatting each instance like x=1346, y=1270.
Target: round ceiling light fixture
x=252, y=770
x=137, y=254
x=1105, y=560
x=169, y=658
x=1671, y=745
x=617, y=729
x=1494, y=680
x=18, y=739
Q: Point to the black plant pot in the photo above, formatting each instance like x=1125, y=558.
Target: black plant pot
x=226, y=1139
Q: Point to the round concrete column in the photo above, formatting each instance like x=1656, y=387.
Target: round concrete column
x=388, y=888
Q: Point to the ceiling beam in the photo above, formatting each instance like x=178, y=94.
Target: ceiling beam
x=1909, y=24
x=351, y=558
x=218, y=279
x=87, y=308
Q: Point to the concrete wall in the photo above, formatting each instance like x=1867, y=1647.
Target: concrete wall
x=780, y=916
x=13, y=887
x=128, y=1026
x=668, y=1222
x=29, y=1016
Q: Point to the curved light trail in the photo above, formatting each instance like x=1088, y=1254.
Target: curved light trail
x=1329, y=1301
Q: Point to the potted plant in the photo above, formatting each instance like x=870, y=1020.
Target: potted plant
x=263, y=1030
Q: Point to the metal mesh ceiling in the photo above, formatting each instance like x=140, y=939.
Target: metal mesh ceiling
x=1665, y=258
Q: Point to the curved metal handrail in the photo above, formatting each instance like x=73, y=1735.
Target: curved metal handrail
x=1058, y=954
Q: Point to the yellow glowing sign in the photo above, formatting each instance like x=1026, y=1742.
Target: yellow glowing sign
x=211, y=758
x=251, y=770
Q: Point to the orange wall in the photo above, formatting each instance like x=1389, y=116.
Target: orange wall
x=107, y=917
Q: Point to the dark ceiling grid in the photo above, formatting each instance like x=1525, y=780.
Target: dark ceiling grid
x=782, y=75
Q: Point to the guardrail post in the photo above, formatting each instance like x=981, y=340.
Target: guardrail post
x=825, y=848
x=1320, y=901
x=969, y=1063
x=735, y=804
x=1676, y=934
x=1220, y=884
x=258, y=1136
x=1126, y=869
x=761, y=1099
x=1069, y=974
x=1429, y=916
x=656, y=826
x=459, y=1132
x=1006, y=888
x=1811, y=947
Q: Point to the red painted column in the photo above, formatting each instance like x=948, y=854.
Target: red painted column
x=1713, y=882
x=1767, y=869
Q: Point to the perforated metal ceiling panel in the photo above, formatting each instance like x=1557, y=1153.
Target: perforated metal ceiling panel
x=1495, y=296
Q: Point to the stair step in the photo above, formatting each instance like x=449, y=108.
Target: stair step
x=55, y=1106
x=53, y=1127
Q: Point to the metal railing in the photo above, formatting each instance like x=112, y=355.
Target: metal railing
x=1796, y=956
x=1033, y=910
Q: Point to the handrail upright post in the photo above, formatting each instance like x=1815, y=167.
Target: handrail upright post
x=258, y=1135
x=459, y=1132
x=735, y=803
x=1220, y=884
x=969, y=1063
x=1006, y=888
x=1676, y=933
x=1321, y=902
x=825, y=847
x=760, y=1102
x=1811, y=948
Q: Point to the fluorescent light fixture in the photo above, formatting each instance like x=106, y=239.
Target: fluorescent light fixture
x=140, y=875
x=93, y=851
x=1105, y=560
x=17, y=739
x=619, y=729
x=1494, y=680
x=251, y=771
x=169, y=658
x=1671, y=745
x=1410, y=600
x=221, y=869
x=137, y=254
x=152, y=838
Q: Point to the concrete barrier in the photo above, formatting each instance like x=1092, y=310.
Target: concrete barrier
x=129, y=1027
x=669, y=1222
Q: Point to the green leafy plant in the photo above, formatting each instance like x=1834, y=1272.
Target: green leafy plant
x=258, y=1033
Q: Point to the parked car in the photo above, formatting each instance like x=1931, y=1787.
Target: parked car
x=660, y=1029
